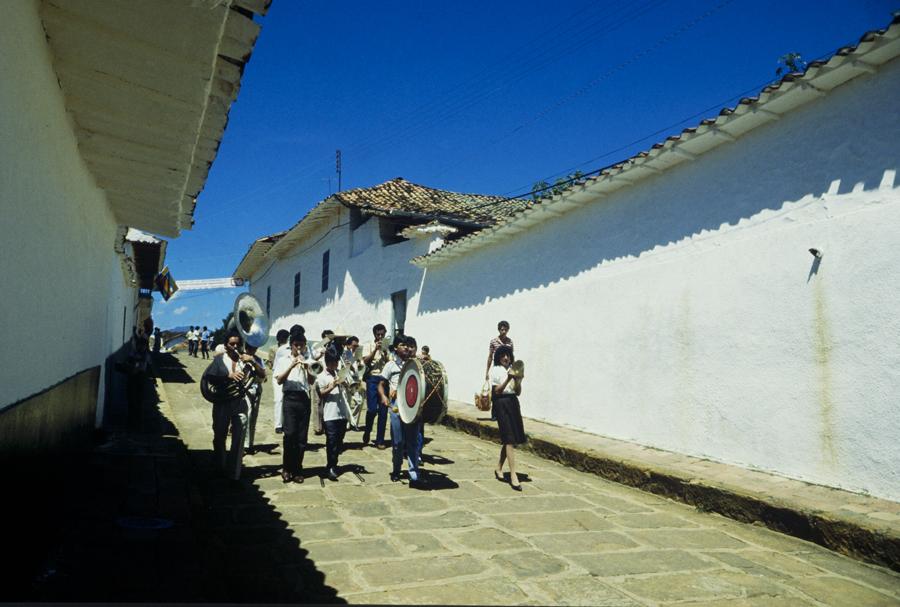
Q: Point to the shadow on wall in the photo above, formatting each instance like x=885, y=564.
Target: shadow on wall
x=660, y=212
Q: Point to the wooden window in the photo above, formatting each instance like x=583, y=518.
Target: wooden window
x=296, y=289
x=325, y=257
x=268, y=301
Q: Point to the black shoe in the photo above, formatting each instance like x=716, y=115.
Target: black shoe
x=499, y=477
x=365, y=438
x=279, y=431
x=395, y=477
x=515, y=487
x=332, y=475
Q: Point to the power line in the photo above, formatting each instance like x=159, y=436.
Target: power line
x=560, y=102
x=452, y=103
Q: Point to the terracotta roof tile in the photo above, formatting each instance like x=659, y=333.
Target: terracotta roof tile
x=399, y=195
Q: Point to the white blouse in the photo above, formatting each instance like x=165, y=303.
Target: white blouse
x=498, y=376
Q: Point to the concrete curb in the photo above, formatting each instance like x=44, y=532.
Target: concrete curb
x=839, y=520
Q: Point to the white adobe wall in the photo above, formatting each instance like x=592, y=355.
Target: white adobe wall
x=64, y=290
x=359, y=286
x=683, y=313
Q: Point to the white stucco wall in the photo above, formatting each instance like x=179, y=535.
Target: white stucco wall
x=359, y=288
x=65, y=290
x=683, y=313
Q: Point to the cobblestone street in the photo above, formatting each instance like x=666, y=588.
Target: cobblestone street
x=569, y=538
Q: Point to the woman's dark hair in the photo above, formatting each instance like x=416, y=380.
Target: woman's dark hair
x=502, y=324
x=499, y=352
x=282, y=336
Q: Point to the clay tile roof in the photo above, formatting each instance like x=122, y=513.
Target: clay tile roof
x=399, y=195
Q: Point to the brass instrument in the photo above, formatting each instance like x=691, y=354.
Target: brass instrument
x=251, y=323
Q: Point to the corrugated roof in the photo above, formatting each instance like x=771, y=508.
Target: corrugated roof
x=875, y=47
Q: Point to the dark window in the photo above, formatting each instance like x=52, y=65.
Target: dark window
x=357, y=218
x=398, y=303
x=390, y=231
x=296, y=289
x=325, y=271
x=268, y=301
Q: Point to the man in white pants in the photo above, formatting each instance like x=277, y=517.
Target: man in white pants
x=281, y=350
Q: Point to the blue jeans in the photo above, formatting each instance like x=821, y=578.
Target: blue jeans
x=375, y=408
x=405, y=441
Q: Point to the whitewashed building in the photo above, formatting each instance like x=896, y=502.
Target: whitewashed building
x=674, y=299
x=112, y=113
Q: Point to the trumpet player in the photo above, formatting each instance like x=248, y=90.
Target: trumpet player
x=336, y=411
x=293, y=375
x=227, y=373
x=375, y=357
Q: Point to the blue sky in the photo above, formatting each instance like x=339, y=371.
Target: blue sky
x=485, y=97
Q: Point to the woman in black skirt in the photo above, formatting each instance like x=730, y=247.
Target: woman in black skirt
x=505, y=402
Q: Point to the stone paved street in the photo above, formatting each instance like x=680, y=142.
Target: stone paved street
x=569, y=538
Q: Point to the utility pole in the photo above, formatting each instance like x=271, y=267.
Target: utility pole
x=337, y=164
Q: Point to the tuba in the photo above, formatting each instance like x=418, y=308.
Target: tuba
x=253, y=326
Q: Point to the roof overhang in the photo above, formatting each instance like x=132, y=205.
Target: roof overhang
x=792, y=92
x=148, y=86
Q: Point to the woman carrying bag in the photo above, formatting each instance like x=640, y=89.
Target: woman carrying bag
x=505, y=390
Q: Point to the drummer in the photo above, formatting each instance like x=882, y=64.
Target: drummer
x=412, y=348
x=404, y=437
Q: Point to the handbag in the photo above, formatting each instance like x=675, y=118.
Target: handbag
x=483, y=399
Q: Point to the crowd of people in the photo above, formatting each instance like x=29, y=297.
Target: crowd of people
x=327, y=386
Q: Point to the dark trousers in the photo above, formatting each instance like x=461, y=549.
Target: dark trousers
x=296, y=412
x=374, y=409
x=335, y=430
x=405, y=443
x=204, y=348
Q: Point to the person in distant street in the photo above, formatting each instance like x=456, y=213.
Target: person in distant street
x=502, y=339
x=195, y=340
x=204, y=342
x=157, y=342
x=225, y=372
x=135, y=367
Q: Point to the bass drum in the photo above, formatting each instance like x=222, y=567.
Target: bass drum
x=422, y=392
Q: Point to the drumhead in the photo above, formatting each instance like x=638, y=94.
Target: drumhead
x=411, y=391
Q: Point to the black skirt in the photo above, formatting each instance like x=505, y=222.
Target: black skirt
x=509, y=419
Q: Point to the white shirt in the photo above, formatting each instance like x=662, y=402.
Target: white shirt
x=498, y=376
x=335, y=402
x=391, y=372
x=378, y=361
x=296, y=380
